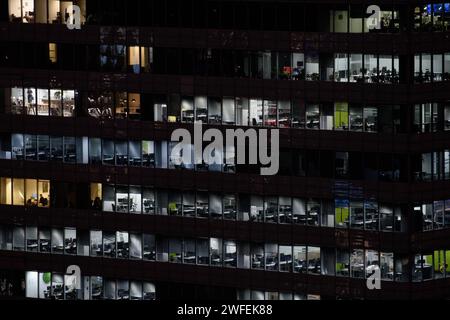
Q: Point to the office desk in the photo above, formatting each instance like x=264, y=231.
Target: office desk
x=149, y=255
x=32, y=246
x=230, y=214
x=284, y=262
x=229, y=260
x=189, y=259
x=189, y=212
x=96, y=292
x=135, y=161
x=344, y=272
x=70, y=246
x=121, y=206
x=58, y=248
x=108, y=159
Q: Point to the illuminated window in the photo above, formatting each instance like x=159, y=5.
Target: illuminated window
x=385, y=68
x=52, y=52
x=356, y=68
x=43, y=102
x=187, y=110
x=313, y=116
x=284, y=114
x=387, y=266
x=21, y=11
x=341, y=67
x=54, y=11
x=228, y=111
x=5, y=191
x=146, y=59
x=134, y=65
x=437, y=67
x=312, y=67
x=314, y=265
x=215, y=110
x=242, y=111
x=44, y=193
x=134, y=106
x=68, y=103
x=270, y=113
x=356, y=20
x=121, y=105
x=17, y=147
x=341, y=116
x=56, y=103
x=18, y=192
x=256, y=112
x=41, y=11
x=300, y=263
x=134, y=153
x=342, y=211
x=30, y=101
x=96, y=196
x=31, y=193
x=31, y=236
x=17, y=100
x=100, y=105
x=340, y=18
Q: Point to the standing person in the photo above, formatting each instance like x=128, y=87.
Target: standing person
x=30, y=96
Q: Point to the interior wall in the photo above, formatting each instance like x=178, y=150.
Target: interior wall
x=31, y=285
x=356, y=25
x=340, y=21
x=41, y=11
x=15, y=8
x=53, y=9
x=228, y=110
x=133, y=58
x=27, y=7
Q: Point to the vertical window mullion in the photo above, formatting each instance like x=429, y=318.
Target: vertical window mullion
x=348, y=67
x=348, y=18
x=421, y=73
x=432, y=63
x=25, y=99
x=49, y=102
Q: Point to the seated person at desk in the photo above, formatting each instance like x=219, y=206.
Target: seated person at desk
x=29, y=17
x=43, y=202
x=14, y=18
x=298, y=73
x=97, y=204
x=32, y=202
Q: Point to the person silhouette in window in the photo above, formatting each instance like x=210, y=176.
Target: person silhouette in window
x=43, y=201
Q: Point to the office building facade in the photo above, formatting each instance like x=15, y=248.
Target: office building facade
x=88, y=176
